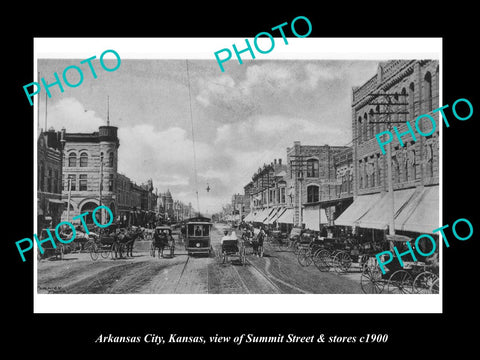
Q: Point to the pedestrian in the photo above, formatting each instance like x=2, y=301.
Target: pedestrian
x=261, y=237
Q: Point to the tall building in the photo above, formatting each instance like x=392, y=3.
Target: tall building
x=397, y=94
x=90, y=172
x=49, y=178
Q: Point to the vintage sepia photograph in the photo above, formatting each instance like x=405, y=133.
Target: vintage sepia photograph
x=282, y=175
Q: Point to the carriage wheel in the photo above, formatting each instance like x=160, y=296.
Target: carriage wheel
x=321, y=260
x=304, y=258
x=371, y=280
x=296, y=247
x=94, y=252
x=423, y=282
x=401, y=282
x=104, y=253
x=62, y=251
x=435, y=288
x=342, y=262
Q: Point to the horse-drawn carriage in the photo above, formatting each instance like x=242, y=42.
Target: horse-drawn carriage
x=414, y=277
x=162, y=238
x=231, y=246
x=114, y=241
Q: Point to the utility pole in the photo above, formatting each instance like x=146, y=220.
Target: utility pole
x=388, y=111
x=69, y=196
x=100, y=188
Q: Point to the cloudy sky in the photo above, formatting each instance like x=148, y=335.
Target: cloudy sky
x=242, y=118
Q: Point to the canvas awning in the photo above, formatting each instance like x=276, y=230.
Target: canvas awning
x=421, y=214
x=248, y=217
x=286, y=217
x=312, y=218
x=273, y=215
x=357, y=209
x=378, y=216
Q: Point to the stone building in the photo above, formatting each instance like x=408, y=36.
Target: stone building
x=312, y=182
x=49, y=178
x=398, y=93
x=90, y=172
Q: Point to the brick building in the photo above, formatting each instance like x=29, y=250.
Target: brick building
x=398, y=93
x=312, y=179
x=49, y=178
x=266, y=193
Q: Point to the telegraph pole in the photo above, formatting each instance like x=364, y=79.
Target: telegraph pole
x=388, y=104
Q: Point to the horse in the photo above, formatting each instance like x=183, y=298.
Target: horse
x=161, y=241
x=126, y=239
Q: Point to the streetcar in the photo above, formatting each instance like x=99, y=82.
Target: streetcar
x=197, y=236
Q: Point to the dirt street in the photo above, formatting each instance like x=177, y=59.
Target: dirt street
x=277, y=272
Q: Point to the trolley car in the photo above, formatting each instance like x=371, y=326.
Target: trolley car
x=197, y=236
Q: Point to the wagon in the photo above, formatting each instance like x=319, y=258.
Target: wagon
x=48, y=250
x=333, y=253
x=232, y=247
x=162, y=239
x=415, y=277
x=103, y=245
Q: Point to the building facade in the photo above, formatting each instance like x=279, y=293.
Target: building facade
x=90, y=173
x=49, y=178
x=397, y=94
x=312, y=176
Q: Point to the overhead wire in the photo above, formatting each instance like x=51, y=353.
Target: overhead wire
x=193, y=139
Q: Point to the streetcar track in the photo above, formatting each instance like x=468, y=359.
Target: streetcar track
x=270, y=281
x=242, y=283
x=181, y=274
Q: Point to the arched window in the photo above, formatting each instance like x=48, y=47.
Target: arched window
x=428, y=92
x=312, y=168
x=110, y=159
x=359, y=130
x=403, y=99
x=72, y=160
x=411, y=100
x=371, y=124
x=312, y=194
x=83, y=159
x=365, y=127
